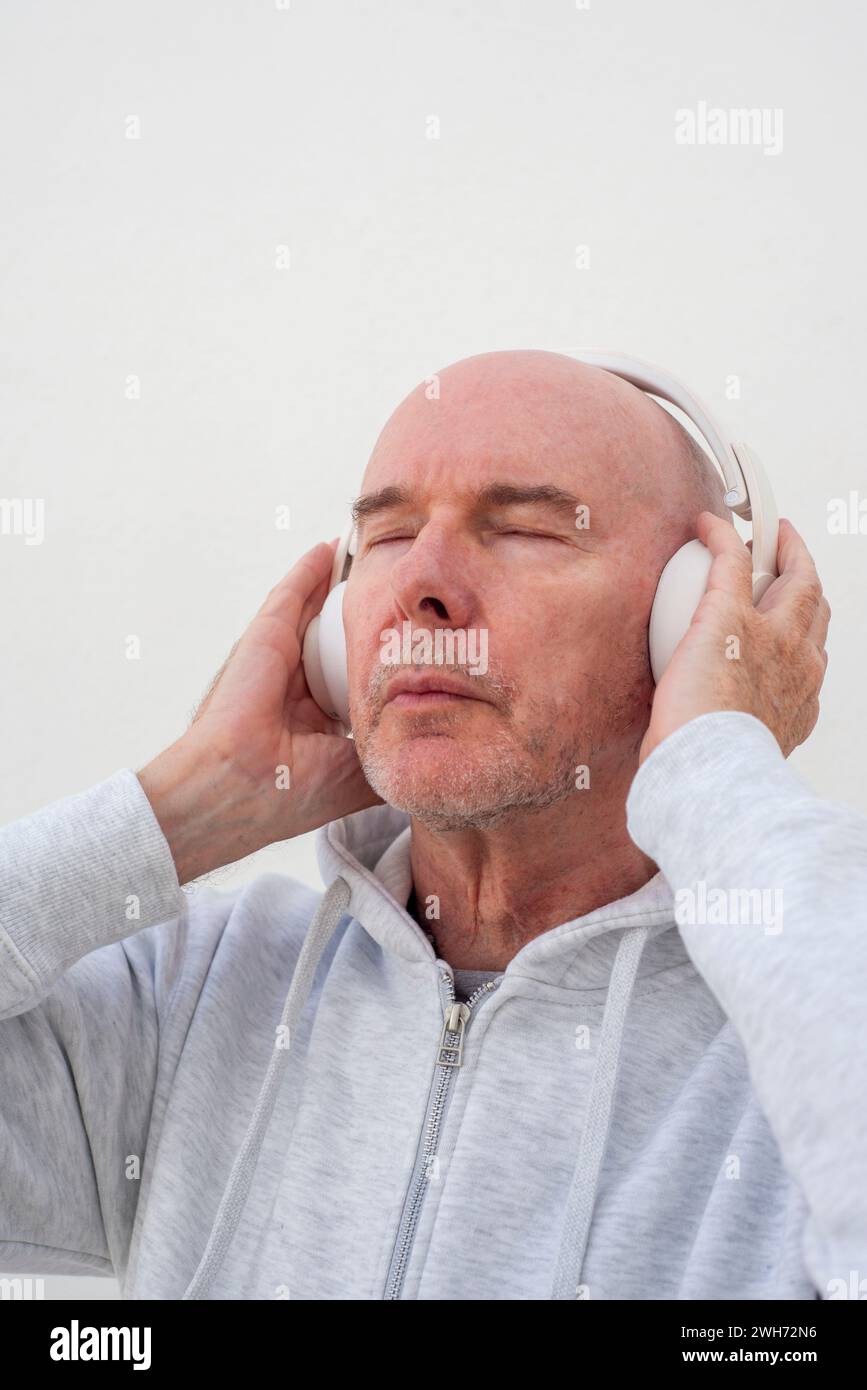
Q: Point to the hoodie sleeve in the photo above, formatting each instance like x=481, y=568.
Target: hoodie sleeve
x=770, y=896
x=79, y=1011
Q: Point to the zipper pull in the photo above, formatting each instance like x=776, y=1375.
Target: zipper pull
x=451, y=1055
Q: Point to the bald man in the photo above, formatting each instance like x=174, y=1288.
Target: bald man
x=527, y=1044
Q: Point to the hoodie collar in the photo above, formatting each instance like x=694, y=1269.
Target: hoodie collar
x=353, y=849
x=371, y=851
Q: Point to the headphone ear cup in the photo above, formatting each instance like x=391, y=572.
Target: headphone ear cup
x=680, y=590
x=323, y=656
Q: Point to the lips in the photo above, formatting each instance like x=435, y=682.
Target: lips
x=424, y=690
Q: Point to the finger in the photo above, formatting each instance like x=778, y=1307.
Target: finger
x=732, y=567
x=797, y=593
x=791, y=548
x=280, y=622
x=307, y=577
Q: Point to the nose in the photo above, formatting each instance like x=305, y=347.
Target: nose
x=429, y=583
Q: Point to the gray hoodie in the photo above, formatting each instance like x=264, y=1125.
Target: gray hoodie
x=270, y=1092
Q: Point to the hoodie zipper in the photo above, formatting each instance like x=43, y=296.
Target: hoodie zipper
x=456, y=1022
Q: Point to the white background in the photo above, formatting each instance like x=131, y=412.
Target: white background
x=307, y=127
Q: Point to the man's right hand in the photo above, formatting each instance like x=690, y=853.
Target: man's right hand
x=217, y=791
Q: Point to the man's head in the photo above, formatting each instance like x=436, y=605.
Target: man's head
x=560, y=580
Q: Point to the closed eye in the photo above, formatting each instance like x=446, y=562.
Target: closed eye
x=538, y=535
x=514, y=531
x=382, y=540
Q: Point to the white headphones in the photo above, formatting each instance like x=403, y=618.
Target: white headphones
x=681, y=584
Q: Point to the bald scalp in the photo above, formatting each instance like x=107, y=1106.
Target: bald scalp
x=540, y=401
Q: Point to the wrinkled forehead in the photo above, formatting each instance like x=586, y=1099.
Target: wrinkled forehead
x=597, y=454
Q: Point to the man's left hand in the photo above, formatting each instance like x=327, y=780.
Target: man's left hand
x=768, y=660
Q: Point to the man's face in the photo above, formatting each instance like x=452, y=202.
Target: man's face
x=559, y=587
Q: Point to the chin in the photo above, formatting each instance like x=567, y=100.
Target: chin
x=427, y=759
x=439, y=773
x=451, y=783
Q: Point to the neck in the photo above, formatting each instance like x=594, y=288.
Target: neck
x=485, y=893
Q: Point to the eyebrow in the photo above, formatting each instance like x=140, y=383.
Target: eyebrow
x=492, y=495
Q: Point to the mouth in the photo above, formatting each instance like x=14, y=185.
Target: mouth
x=427, y=692
x=412, y=699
